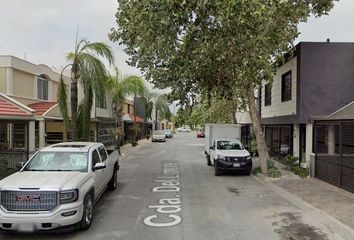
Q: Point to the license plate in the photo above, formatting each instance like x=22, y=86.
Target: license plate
x=26, y=227
x=236, y=165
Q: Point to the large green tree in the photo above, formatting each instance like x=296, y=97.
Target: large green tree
x=88, y=70
x=203, y=46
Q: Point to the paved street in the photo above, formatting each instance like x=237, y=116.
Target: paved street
x=201, y=206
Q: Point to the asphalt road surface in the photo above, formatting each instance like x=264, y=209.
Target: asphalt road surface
x=167, y=191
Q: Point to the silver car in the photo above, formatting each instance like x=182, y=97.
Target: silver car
x=158, y=136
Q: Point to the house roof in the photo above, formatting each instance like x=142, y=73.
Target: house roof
x=42, y=108
x=128, y=117
x=344, y=113
x=11, y=107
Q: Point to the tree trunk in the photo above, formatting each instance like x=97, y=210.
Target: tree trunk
x=258, y=132
x=156, y=114
x=73, y=103
x=135, y=128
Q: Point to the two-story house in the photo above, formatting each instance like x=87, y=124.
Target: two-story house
x=141, y=119
x=317, y=80
x=29, y=114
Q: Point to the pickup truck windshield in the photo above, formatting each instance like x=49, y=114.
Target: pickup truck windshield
x=58, y=161
x=229, y=145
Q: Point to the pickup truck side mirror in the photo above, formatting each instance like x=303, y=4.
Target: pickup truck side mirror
x=99, y=166
x=20, y=165
x=211, y=148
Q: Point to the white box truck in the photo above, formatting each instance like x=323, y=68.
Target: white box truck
x=220, y=131
x=224, y=149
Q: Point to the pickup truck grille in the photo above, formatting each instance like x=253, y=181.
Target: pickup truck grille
x=23, y=201
x=235, y=159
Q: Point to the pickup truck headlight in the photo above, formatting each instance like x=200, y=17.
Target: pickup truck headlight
x=221, y=157
x=69, y=196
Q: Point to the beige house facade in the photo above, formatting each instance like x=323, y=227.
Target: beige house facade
x=29, y=114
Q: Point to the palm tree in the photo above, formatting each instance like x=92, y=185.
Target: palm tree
x=88, y=70
x=119, y=94
x=162, y=110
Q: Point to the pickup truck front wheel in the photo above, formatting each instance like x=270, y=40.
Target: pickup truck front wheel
x=217, y=171
x=88, y=213
x=112, y=185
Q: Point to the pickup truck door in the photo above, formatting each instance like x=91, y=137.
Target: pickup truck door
x=108, y=170
x=98, y=174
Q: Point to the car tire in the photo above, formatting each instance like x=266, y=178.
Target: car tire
x=216, y=169
x=87, y=214
x=208, y=160
x=112, y=185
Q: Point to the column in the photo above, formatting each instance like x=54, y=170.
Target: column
x=31, y=137
x=309, y=139
x=331, y=140
x=41, y=135
x=9, y=81
x=296, y=140
x=35, y=90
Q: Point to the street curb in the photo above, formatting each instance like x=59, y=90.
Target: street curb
x=345, y=231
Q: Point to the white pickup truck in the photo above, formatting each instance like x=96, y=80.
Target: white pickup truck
x=57, y=187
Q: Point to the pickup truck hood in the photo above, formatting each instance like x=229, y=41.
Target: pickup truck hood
x=233, y=153
x=44, y=180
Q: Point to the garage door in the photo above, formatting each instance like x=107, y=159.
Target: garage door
x=334, y=146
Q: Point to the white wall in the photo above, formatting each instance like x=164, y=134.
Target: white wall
x=279, y=108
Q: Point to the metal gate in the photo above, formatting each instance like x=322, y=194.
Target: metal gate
x=334, y=148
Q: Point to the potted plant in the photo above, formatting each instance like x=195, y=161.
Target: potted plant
x=135, y=130
x=117, y=134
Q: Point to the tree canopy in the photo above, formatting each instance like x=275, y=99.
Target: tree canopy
x=203, y=46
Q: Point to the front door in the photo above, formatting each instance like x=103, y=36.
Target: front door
x=302, y=145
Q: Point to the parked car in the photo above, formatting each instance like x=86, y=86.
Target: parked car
x=200, y=134
x=168, y=133
x=230, y=155
x=158, y=136
x=183, y=129
x=57, y=187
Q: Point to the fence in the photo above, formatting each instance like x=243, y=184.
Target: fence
x=9, y=160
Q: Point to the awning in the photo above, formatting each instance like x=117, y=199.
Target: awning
x=344, y=113
x=128, y=117
x=12, y=109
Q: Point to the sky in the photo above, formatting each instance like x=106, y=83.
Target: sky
x=43, y=31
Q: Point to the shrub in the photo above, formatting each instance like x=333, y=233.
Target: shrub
x=301, y=172
x=272, y=169
x=274, y=173
x=291, y=162
x=270, y=163
x=256, y=170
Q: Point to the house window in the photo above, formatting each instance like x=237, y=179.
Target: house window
x=101, y=100
x=286, y=87
x=42, y=88
x=268, y=94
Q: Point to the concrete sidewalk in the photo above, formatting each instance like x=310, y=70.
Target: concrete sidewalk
x=125, y=149
x=335, y=202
